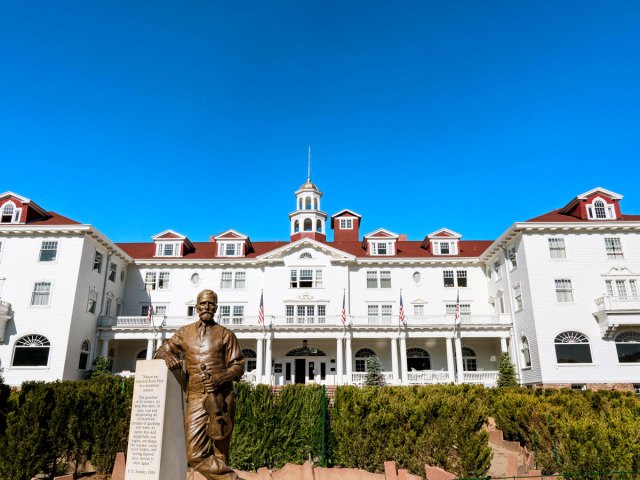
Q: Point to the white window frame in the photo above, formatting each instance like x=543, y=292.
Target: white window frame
x=517, y=297
x=378, y=278
x=459, y=277
x=418, y=310
x=512, y=257
x=306, y=313
x=613, y=247
x=41, y=284
x=157, y=279
x=379, y=313
x=168, y=249
x=497, y=269
x=557, y=247
x=233, y=280
x=113, y=272
x=525, y=351
x=99, y=264
x=15, y=212
x=235, y=249
x=465, y=309
x=314, y=276
x=564, y=290
x=52, y=247
x=231, y=314
x=451, y=245
x=375, y=247
x=346, y=223
x=608, y=211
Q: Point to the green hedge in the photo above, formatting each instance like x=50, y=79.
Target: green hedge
x=46, y=426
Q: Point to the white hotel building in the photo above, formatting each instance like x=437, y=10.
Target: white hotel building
x=559, y=292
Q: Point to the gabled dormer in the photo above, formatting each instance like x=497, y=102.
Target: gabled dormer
x=171, y=244
x=380, y=242
x=232, y=244
x=596, y=204
x=17, y=209
x=345, y=225
x=442, y=242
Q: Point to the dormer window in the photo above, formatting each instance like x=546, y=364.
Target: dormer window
x=168, y=249
x=346, y=223
x=444, y=247
x=230, y=249
x=381, y=248
x=600, y=210
x=10, y=214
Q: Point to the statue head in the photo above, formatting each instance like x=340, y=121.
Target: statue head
x=206, y=305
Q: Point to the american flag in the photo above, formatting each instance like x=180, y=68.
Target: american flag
x=402, y=319
x=261, y=310
x=150, y=311
x=457, y=308
x=344, y=310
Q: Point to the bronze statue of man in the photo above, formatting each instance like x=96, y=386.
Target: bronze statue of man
x=213, y=361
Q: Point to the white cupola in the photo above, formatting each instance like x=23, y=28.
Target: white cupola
x=307, y=221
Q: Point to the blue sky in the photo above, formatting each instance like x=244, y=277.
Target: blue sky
x=195, y=115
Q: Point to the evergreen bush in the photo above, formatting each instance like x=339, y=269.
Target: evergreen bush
x=374, y=377
x=507, y=376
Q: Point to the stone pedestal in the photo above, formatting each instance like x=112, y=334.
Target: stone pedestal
x=156, y=435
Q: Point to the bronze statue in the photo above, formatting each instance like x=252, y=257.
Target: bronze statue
x=213, y=361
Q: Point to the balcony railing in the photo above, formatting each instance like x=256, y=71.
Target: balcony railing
x=617, y=303
x=488, y=379
x=428, y=377
x=335, y=320
x=249, y=377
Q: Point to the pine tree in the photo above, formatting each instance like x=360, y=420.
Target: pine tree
x=374, y=377
x=507, y=376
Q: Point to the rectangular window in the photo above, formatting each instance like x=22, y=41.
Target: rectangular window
x=621, y=288
x=49, y=251
x=240, y=280
x=227, y=280
x=465, y=309
x=107, y=308
x=171, y=249
x=191, y=311
x=448, y=278
x=613, y=247
x=305, y=278
x=144, y=311
x=346, y=223
x=97, y=262
x=500, y=303
x=609, y=286
x=634, y=288
x=160, y=310
x=163, y=280
x=513, y=260
x=238, y=315
x=225, y=314
x=91, y=305
x=379, y=314
x=113, y=268
x=290, y=313
x=41, y=295
x=418, y=310
x=445, y=248
x=564, y=291
x=517, y=297
x=373, y=313
x=150, y=280
x=230, y=249
x=385, y=279
x=306, y=314
x=556, y=248
x=461, y=276
x=372, y=279
x=497, y=270
x=381, y=248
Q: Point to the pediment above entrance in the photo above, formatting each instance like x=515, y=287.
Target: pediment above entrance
x=306, y=249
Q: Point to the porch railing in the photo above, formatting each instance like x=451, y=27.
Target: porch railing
x=5, y=308
x=486, y=378
x=333, y=320
x=358, y=378
x=428, y=377
x=249, y=377
x=611, y=302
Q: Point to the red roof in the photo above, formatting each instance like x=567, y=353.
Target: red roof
x=207, y=250
x=556, y=216
x=53, y=219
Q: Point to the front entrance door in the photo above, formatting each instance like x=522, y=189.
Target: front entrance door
x=300, y=370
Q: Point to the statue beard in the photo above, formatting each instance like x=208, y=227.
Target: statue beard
x=206, y=317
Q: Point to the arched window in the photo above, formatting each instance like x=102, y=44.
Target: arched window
x=307, y=203
x=306, y=352
x=85, y=350
x=142, y=355
x=628, y=347
x=308, y=225
x=598, y=206
x=572, y=347
x=300, y=204
x=7, y=212
x=31, y=351
x=250, y=358
x=296, y=226
x=361, y=358
x=526, y=354
x=469, y=360
x=305, y=255
x=315, y=203
x=418, y=359
x=318, y=226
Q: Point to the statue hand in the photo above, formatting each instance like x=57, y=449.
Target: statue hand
x=172, y=361
x=212, y=382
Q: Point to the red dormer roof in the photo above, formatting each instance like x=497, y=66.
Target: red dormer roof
x=24, y=209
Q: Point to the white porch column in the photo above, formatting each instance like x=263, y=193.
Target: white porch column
x=349, y=360
x=394, y=361
x=403, y=360
x=450, y=365
x=339, y=362
x=105, y=348
x=460, y=369
x=150, y=344
x=260, y=356
x=267, y=361
x=503, y=344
